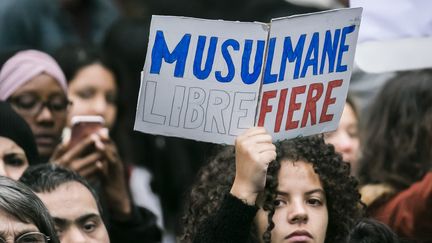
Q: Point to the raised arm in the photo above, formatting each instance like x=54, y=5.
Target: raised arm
x=254, y=152
x=232, y=222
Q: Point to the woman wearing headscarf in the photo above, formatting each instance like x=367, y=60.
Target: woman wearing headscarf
x=17, y=146
x=33, y=83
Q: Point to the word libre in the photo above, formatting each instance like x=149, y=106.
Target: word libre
x=209, y=80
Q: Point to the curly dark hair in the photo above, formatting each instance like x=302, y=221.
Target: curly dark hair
x=215, y=180
x=398, y=132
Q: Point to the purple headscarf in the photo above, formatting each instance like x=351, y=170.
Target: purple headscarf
x=24, y=66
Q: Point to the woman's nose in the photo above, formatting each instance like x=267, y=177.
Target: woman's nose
x=298, y=213
x=100, y=105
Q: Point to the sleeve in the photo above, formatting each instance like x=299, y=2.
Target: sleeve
x=141, y=227
x=409, y=212
x=230, y=224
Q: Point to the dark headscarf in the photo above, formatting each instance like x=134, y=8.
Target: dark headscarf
x=15, y=128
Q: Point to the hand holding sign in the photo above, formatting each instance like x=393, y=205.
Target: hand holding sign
x=254, y=152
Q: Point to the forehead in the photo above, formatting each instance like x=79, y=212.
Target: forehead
x=69, y=201
x=348, y=114
x=298, y=175
x=99, y=76
x=7, y=144
x=10, y=224
x=42, y=84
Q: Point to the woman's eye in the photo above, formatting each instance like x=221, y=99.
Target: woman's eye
x=14, y=160
x=353, y=133
x=314, y=202
x=278, y=203
x=89, y=226
x=86, y=94
x=59, y=104
x=111, y=98
x=27, y=101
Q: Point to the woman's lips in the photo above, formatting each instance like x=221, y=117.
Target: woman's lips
x=299, y=236
x=45, y=140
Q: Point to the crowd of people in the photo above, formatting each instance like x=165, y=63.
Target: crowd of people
x=369, y=181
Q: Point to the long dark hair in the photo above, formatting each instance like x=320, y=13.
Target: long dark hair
x=72, y=58
x=215, y=180
x=398, y=132
x=19, y=201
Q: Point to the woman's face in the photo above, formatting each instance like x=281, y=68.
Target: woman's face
x=13, y=161
x=93, y=91
x=300, y=207
x=43, y=104
x=11, y=228
x=345, y=138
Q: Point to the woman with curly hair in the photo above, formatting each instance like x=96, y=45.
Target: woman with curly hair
x=298, y=190
x=396, y=163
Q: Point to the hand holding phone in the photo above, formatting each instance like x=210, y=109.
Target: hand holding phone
x=84, y=126
x=97, y=158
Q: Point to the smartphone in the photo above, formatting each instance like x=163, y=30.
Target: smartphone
x=83, y=126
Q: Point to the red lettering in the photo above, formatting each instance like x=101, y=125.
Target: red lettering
x=281, y=109
x=265, y=108
x=293, y=106
x=311, y=100
x=329, y=100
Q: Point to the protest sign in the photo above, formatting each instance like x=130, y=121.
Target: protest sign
x=210, y=80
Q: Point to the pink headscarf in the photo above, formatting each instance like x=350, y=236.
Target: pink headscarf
x=24, y=66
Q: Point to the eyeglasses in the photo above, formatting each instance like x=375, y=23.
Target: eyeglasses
x=31, y=104
x=30, y=237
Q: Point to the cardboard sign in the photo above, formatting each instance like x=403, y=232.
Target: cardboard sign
x=210, y=80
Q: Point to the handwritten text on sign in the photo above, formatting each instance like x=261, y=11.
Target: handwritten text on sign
x=210, y=80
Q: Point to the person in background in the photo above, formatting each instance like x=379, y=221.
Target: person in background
x=33, y=83
x=92, y=80
x=372, y=231
x=71, y=202
x=260, y=192
x=163, y=165
x=36, y=87
x=395, y=166
x=93, y=90
x=23, y=216
x=346, y=138
x=17, y=146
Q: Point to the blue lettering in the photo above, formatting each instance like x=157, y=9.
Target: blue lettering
x=203, y=74
x=343, y=48
x=330, y=50
x=268, y=76
x=226, y=55
x=179, y=54
x=250, y=78
x=292, y=56
x=309, y=60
